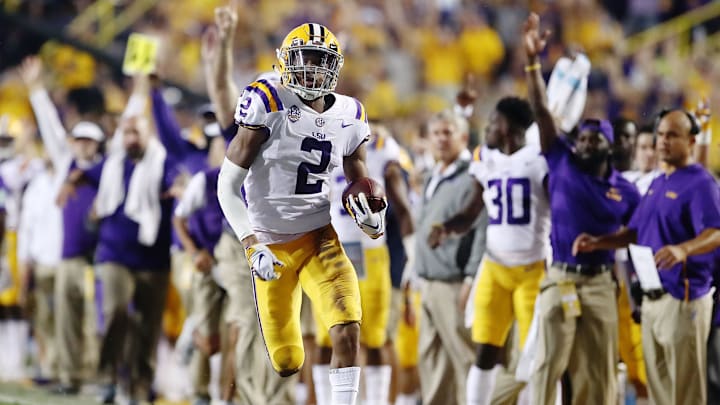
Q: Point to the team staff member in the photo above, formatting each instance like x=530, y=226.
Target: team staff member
x=679, y=219
x=578, y=309
x=445, y=345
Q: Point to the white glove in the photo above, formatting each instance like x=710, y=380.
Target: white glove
x=263, y=261
x=372, y=223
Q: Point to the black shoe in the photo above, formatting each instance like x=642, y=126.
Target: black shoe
x=65, y=389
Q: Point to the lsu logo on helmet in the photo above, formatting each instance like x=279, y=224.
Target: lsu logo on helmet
x=309, y=61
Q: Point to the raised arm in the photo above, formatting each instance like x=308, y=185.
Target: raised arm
x=704, y=138
x=51, y=128
x=217, y=52
x=534, y=43
x=168, y=129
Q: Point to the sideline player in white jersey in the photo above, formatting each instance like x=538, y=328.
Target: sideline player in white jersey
x=371, y=260
x=292, y=134
x=511, y=178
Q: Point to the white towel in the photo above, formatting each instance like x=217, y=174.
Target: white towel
x=142, y=204
x=567, y=90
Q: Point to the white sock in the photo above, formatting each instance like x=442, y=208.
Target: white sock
x=406, y=399
x=322, y=383
x=345, y=383
x=480, y=385
x=377, y=385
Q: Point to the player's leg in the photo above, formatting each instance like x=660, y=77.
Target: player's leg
x=331, y=283
x=278, y=306
x=307, y=324
x=493, y=319
x=406, y=345
x=375, y=292
x=323, y=357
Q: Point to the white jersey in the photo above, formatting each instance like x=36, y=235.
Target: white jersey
x=381, y=151
x=287, y=187
x=516, y=202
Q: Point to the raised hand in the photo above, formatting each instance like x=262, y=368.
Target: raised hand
x=210, y=45
x=534, y=41
x=31, y=72
x=226, y=21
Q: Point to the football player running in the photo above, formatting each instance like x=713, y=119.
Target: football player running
x=371, y=260
x=510, y=184
x=292, y=134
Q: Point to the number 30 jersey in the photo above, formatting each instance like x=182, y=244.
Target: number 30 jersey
x=516, y=203
x=287, y=187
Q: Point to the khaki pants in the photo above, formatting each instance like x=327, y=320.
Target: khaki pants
x=208, y=299
x=674, y=338
x=256, y=381
x=44, y=324
x=74, y=315
x=445, y=347
x=131, y=336
x=585, y=346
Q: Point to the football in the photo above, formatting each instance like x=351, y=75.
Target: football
x=373, y=191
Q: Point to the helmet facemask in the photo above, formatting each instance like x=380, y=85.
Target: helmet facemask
x=310, y=70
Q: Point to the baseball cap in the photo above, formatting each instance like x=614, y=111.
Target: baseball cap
x=88, y=130
x=602, y=126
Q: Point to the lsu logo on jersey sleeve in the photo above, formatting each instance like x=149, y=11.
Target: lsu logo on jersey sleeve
x=288, y=183
x=516, y=203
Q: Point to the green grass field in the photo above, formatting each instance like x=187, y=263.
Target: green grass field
x=27, y=394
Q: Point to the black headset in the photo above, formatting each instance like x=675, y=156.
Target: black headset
x=694, y=126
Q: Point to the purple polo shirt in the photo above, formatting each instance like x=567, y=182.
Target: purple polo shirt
x=580, y=202
x=206, y=224
x=78, y=238
x=675, y=209
x=118, y=234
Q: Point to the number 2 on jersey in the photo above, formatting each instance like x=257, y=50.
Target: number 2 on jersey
x=512, y=184
x=302, y=186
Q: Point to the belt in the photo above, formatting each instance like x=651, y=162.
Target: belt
x=583, y=269
x=654, y=294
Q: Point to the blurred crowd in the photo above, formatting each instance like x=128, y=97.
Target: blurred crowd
x=408, y=58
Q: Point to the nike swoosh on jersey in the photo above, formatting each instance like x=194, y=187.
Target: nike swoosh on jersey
x=344, y=125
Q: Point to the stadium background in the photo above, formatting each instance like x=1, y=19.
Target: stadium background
x=404, y=58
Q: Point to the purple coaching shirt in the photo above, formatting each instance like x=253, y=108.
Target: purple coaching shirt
x=580, y=202
x=118, y=234
x=677, y=208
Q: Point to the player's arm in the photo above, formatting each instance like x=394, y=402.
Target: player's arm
x=704, y=138
x=462, y=222
x=534, y=43
x=397, y=195
x=240, y=155
x=354, y=165
x=372, y=223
